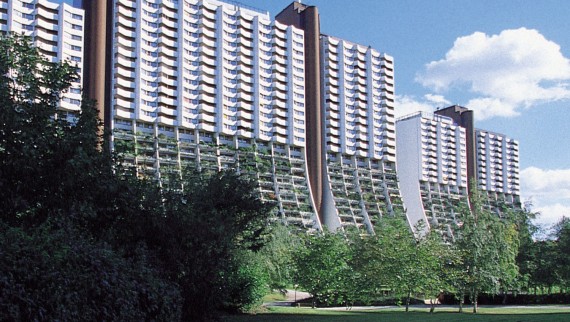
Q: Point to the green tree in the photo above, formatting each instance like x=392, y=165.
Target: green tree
x=488, y=246
x=321, y=264
x=278, y=256
x=546, y=260
x=562, y=234
x=246, y=281
x=54, y=273
x=58, y=260
x=198, y=233
x=527, y=255
x=30, y=137
x=395, y=259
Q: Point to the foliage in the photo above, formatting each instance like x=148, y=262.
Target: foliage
x=92, y=237
x=562, y=235
x=51, y=273
x=395, y=259
x=321, y=267
x=487, y=246
x=196, y=231
x=278, y=256
x=246, y=282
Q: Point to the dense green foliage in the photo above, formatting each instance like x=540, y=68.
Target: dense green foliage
x=82, y=238
x=484, y=258
x=487, y=247
x=322, y=267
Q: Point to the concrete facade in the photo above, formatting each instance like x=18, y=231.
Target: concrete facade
x=57, y=30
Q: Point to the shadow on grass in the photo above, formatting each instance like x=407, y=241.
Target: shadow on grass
x=311, y=315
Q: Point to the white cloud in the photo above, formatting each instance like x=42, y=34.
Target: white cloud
x=405, y=105
x=437, y=99
x=549, y=191
x=546, y=183
x=505, y=73
x=551, y=214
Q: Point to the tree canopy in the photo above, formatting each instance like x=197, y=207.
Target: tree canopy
x=83, y=238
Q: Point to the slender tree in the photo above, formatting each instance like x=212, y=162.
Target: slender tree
x=488, y=246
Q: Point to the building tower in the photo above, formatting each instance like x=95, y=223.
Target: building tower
x=360, y=133
x=57, y=30
x=221, y=85
x=492, y=159
x=216, y=86
x=307, y=18
x=434, y=164
x=498, y=168
x=351, y=119
x=432, y=167
x=465, y=118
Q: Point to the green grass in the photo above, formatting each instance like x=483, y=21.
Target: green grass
x=274, y=297
x=505, y=314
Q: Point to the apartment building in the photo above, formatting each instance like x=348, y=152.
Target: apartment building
x=216, y=85
x=57, y=30
x=441, y=156
x=432, y=167
x=350, y=112
x=360, y=133
x=220, y=85
x=492, y=160
x=498, y=168
x=213, y=85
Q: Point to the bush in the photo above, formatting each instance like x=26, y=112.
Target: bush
x=247, y=283
x=54, y=274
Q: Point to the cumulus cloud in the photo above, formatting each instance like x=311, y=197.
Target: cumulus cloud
x=405, y=105
x=437, y=99
x=551, y=214
x=549, y=191
x=546, y=183
x=505, y=73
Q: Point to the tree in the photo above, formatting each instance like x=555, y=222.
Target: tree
x=321, y=264
x=527, y=255
x=395, y=259
x=562, y=234
x=197, y=230
x=278, y=256
x=488, y=246
x=132, y=240
x=50, y=273
x=246, y=281
x=55, y=263
x=30, y=137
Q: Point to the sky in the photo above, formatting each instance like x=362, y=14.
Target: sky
x=506, y=60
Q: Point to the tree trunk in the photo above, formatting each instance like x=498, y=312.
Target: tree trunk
x=475, y=303
x=408, y=301
x=432, y=306
x=461, y=300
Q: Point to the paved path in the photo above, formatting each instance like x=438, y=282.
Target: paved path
x=291, y=296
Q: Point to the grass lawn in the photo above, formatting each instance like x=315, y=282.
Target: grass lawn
x=506, y=314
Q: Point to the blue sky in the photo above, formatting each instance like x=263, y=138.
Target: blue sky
x=507, y=60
